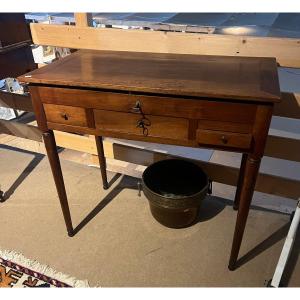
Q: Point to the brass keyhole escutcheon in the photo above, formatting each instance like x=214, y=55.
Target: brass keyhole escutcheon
x=224, y=139
x=137, y=108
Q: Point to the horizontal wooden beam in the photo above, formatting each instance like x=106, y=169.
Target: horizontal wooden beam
x=266, y=183
x=289, y=107
x=283, y=148
x=277, y=147
x=14, y=46
x=16, y=101
x=20, y=130
x=16, y=62
x=75, y=142
x=286, y=50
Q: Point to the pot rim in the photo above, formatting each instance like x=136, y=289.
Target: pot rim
x=170, y=197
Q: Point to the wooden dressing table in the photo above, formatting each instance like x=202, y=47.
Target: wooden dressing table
x=214, y=102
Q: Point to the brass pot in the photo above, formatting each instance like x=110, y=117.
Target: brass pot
x=175, y=189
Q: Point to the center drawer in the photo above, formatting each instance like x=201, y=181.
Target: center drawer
x=156, y=126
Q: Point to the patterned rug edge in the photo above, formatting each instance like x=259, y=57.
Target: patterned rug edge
x=35, y=266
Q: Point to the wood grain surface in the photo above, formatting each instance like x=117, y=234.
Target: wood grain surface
x=152, y=105
x=243, y=78
x=164, y=127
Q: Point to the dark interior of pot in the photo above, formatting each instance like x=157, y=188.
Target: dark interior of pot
x=175, y=178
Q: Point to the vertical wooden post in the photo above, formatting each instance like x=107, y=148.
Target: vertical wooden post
x=83, y=19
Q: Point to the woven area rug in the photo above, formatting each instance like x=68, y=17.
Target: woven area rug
x=19, y=271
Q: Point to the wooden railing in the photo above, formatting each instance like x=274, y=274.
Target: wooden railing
x=285, y=50
x=83, y=37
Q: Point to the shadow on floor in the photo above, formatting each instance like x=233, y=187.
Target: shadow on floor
x=30, y=167
x=274, y=238
x=125, y=183
x=210, y=208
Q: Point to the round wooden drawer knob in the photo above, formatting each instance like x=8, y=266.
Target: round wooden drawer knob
x=224, y=139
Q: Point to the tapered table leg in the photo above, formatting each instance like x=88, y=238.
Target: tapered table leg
x=240, y=182
x=251, y=170
x=102, y=160
x=50, y=145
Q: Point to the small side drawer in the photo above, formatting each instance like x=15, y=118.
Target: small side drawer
x=224, y=139
x=69, y=115
x=159, y=126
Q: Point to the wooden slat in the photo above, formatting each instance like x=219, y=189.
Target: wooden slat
x=20, y=130
x=83, y=19
x=14, y=46
x=266, y=183
x=16, y=101
x=289, y=107
x=277, y=147
x=228, y=175
x=40, y=65
x=17, y=61
x=81, y=143
x=286, y=50
x=13, y=29
x=283, y=148
x=75, y=142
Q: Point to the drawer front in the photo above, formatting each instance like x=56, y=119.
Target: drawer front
x=152, y=105
x=164, y=127
x=68, y=115
x=225, y=126
x=224, y=139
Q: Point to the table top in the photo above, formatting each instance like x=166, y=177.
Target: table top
x=241, y=78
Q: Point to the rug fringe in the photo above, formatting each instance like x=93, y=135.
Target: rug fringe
x=20, y=259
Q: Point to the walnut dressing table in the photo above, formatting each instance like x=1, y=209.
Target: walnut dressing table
x=216, y=102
